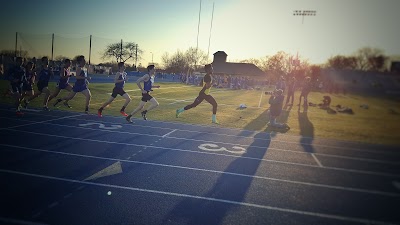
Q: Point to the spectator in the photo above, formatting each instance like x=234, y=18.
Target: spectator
x=276, y=102
x=281, y=84
x=291, y=89
x=305, y=90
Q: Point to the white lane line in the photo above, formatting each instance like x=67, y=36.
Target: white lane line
x=315, y=158
x=269, y=148
x=396, y=184
x=231, y=135
x=37, y=214
x=233, y=144
x=202, y=152
x=238, y=130
x=375, y=192
x=259, y=102
x=165, y=135
x=46, y=121
x=67, y=195
x=286, y=210
x=17, y=221
x=54, y=204
x=32, y=110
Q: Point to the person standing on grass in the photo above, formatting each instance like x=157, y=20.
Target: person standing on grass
x=148, y=80
x=281, y=84
x=81, y=84
x=43, y=82
x=204, y=94
x=291, y=89
x=17, y=78
x=276, y=103
x=63, y=83
x=305, y=90
x=119, y=80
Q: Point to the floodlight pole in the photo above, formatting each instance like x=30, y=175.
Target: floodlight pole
x=303, y=13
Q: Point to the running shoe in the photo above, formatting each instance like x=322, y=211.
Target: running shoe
x=123, y=113
x=144, y=114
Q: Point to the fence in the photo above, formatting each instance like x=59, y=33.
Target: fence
x=57, y=46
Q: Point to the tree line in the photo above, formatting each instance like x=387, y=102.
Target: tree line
x=281, y=63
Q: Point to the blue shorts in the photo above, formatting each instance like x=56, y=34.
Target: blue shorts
x=62, y=85
x=79, y=88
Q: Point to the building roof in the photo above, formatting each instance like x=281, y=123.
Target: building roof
x=220, y=53
x=242, y=69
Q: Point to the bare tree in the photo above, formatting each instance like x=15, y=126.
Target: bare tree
x=366, y=58
x=184, y=62
x=129, y=50
x=342, y=62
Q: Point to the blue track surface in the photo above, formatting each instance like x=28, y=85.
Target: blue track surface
x=69, y=168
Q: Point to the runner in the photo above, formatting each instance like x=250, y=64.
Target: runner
x=27, y=87
x=119, y=80
x=204, y=94
x=63, y=83
x=148, y=80
x=42, y=84
x=81, y=84
x=17, y=77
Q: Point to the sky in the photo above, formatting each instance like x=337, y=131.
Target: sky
x=242, y=28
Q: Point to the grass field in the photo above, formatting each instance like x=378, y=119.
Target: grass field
x=379, y=124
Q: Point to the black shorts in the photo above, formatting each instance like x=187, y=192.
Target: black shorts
x=117, y=91
x=146, y=97
x=16, y=88
x=41, y=85
x=27, y=87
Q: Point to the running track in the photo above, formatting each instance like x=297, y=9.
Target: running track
x=69, y=168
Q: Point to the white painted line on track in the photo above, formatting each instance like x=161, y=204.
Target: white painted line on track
x=396, y=184
x=46, y=121
x=165, y=135
x=185, y=150
x=17, y=221
x=286, y=210
x=32, y=110
x=239, y=130
x=315, y=158
x=54, y=204
x=240, y=136
x=252, y=146
x=374, y=192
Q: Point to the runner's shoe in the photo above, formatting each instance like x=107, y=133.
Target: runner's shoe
x=123, y=113
x=144, y=114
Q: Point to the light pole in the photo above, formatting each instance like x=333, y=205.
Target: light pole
x=303, y=13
